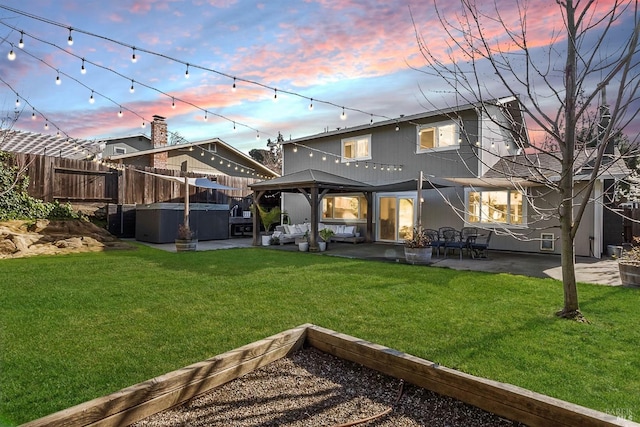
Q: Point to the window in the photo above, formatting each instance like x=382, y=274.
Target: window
x=358, y=148
x=344, y=207
x=439, y=135
x=119, y=150
x=495, y=206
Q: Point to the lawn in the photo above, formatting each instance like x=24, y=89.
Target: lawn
x=80, y=326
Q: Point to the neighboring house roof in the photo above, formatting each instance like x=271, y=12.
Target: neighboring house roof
x=18, y=141
x=248, y=159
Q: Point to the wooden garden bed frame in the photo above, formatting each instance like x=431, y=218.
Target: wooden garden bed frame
x=147, y=398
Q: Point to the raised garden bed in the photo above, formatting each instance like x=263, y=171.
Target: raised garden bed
x=150, y=397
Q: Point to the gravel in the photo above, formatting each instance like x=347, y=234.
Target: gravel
x=310, y=388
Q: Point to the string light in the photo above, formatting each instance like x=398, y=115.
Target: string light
x=82, y=69
x=17, y=101
x=234, y=126
x=310, y=104
x=132, y=89
x=275, y=95
x=91, y=98
x=144, y=125
x=21, y=42
x=371, y=122
x=133, y=55
x=233, y=88
x=257, y=135
x=173, y=103
x=11, y=55
x=343, y=116
x=58, y=81
x=33, y=115
x=70, y=39
x=186, y=74
x=205, y=116
x=120, y=113
x=397, y=126
x=46, y=125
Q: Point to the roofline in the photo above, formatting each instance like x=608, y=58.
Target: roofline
x=405, y=119
x=254, y=164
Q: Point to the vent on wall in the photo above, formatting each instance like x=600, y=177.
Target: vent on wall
x=547, y=242
x=119, y=150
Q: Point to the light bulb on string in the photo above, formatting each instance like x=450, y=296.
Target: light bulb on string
x=310, y=153
x=11, y=55
x=58, y=81
x=234, y=126
x=295, y=149
x=33, y=115
x=371, y=122
x=337, y=160
x=120, y=113
x=397, y=127
x=275, y=95
x=133, y=55
x=324, y=158
x=205, y=116
x=257, y=135
x=46, y=125
x=21, y=42
x=91, y=98
x=233, y=88
x=70, y=39
x=310, y=104
x=144, y=125
x=173, y=103
x=82, y=69
x=17, y=101
x=186, y=74
x=343, y=116
x=132, y=89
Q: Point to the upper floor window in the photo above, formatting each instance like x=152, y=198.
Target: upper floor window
x=496, y=206
x=357, y=148
x=438, y=135
x=119, y=150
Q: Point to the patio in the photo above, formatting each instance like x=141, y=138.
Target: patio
x=589, y=270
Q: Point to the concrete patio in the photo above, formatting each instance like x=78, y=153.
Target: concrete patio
x=589, y=270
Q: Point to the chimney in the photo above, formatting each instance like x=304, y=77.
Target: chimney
x=159, y=139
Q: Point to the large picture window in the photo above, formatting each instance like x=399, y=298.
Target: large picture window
x=496, y=206
x=358, y=148
x=438, y=135
x=344, y=207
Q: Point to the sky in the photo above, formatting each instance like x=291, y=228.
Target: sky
x=360, y=57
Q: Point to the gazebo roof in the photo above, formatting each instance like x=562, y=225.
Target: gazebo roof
x=324, y=180
x=310, y=178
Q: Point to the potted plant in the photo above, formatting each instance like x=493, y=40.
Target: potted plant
x=185, y=240
x=325, y=235
x=303, y=242
x=268, y=218
x=629, y=264
x=417, y=247
x=275, y=240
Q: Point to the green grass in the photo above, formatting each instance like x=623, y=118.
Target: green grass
x=76, y=327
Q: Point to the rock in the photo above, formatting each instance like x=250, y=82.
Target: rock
x=49, y=237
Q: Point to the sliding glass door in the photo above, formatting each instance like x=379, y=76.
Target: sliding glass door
x=395, y=217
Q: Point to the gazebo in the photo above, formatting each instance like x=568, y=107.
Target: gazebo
x=315, y=184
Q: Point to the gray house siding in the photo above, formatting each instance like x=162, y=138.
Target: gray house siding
x=390, y=149
x=131, y=144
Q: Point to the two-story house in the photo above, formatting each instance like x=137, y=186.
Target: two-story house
x=367, y=176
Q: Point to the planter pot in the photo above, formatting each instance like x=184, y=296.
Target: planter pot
x=322, y=246
x=186, y=245
x=266, y=240
x=303, y=246
x=418, y=255
x=629, y=274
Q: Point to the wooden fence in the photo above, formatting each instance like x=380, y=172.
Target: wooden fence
x=82, y=181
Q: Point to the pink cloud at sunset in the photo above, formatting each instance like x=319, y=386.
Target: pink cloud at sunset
x=346, y=52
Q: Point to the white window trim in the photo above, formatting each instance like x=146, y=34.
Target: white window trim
x=119, y=150
x=436, y=125
x=493, y=224
x=334, y=219
x=345, y=159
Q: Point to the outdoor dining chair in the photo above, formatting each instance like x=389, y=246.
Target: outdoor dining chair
x=453, y=241
x=433, y=235
x=479, y=246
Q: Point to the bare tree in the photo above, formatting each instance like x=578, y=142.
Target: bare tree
x=560, y=84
